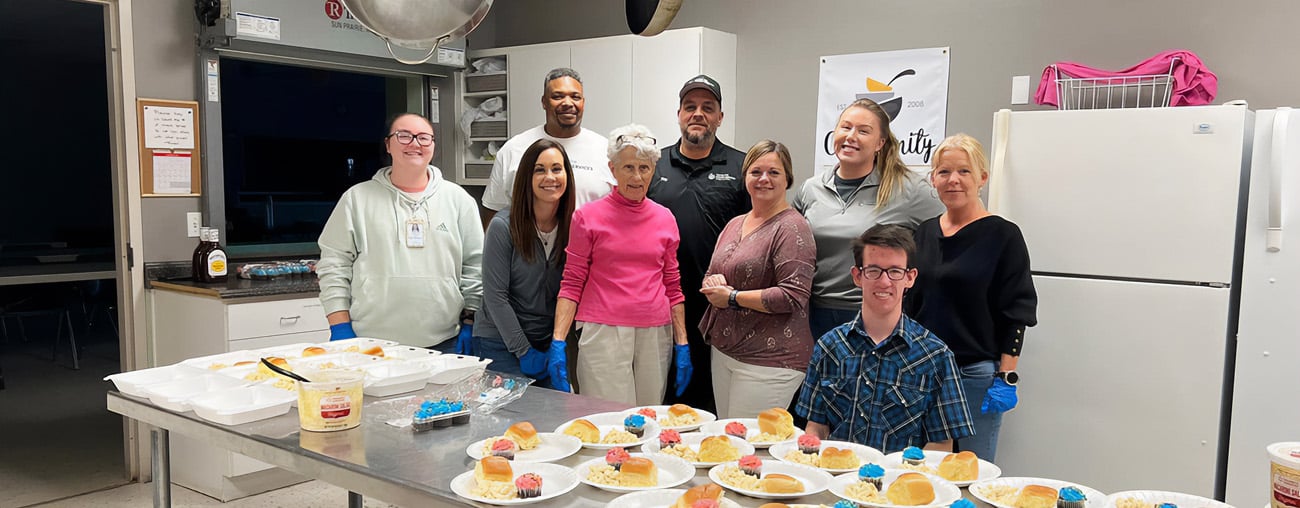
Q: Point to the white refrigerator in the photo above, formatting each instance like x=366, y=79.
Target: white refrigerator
x=1134, y=222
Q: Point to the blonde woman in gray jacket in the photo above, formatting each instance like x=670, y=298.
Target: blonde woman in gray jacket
x=401, y=254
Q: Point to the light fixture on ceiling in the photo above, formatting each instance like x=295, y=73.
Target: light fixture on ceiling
x=649, y=17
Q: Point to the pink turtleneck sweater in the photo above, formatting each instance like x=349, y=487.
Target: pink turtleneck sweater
x=622, y=263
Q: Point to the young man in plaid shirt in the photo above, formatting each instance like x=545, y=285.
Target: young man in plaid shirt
x=882, y=380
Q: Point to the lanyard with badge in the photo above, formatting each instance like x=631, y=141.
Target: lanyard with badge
x=415, y=228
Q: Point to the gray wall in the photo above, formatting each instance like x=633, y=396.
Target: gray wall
x=164, y=69
x=779, y=42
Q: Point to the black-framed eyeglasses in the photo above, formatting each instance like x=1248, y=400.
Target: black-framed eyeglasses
x=873, y=272
x=405, y=138
x=626, y=139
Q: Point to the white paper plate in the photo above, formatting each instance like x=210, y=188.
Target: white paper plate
x=658, y=499
x=945, y=492
x=1095, y=498
x=814, y=480
x=988, y=470
x=611, y=421
x=553, y=447
x=751, y=425
x=556, y=481
x=662, y=411
x=1159, y=496
x=693, y=440
x=672, y=472
x=866, y=454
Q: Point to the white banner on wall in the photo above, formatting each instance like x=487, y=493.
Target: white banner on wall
x=911, y=85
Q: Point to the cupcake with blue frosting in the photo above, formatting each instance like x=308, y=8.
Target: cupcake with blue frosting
x=873, y=474
x=635, y=424
x=1072, y=497
x=962, y=503
x=844, y=503
x=913, y=456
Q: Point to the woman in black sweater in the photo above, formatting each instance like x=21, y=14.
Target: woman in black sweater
x=974, y=289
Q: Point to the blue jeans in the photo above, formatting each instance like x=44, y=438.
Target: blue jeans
x=824, y=319
x=976, y=379
x=447, y=347
x=503, y=360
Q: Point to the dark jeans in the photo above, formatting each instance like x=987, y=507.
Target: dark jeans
x=447, y=347
x=503, y=360
x=976, y=379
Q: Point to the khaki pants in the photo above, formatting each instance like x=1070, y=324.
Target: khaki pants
x=624, y=364
x=743, y=390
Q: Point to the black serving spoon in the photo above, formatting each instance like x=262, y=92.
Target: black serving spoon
x=283, y=372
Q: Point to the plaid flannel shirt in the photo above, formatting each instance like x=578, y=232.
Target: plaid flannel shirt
x=904, y=392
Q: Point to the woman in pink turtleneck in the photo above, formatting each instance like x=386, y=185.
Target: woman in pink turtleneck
x=622, y=285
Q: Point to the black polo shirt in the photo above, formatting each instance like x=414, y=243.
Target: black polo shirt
x=703, y=195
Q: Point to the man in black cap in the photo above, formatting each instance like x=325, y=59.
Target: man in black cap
x=702, y=182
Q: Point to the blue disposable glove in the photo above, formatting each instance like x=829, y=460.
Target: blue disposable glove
x=533, y=364
x=558, y=366
x=682, y=352
x=1000, y=398
x=465, y=341
x=342, y=331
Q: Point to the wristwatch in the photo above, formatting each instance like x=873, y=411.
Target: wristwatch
x=731, y=300
x=1010, y=377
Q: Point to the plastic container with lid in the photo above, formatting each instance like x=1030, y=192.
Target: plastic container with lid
x=1285, y=474
x=331, y=401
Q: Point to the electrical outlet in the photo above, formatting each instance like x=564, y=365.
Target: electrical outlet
x=193, y=221
x=1020, y=89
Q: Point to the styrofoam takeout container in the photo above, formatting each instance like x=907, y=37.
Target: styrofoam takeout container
x=391, y=378
x=222, y=360
x=346, y=361
x=400, y=352
x=287, y=352
x=361, y=343
x=175, y=395
x=133, y=382
x=244, y=404
x=447, y=369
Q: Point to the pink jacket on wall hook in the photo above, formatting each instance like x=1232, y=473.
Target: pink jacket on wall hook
x=1194, y=84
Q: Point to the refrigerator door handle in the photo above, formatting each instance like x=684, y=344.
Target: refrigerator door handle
x=1277, y=161
x=1001, y=137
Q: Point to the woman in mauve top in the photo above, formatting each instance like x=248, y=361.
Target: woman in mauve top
x=622, y=285
x=973, y=289
x=758, y=283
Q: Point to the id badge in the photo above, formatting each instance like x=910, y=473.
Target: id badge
x=415, y=233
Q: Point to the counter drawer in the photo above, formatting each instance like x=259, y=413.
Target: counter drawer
x=248, y=320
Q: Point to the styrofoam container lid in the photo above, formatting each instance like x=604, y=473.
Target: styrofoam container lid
x=175, y=395
x=335, y=361
x=448, y=369
x=401, y=352
x=244, y=404
x=288, y=352
x=132, y=383
x=394, y=377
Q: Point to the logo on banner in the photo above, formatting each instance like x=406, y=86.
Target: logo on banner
x=911, y=86
x=340, y=17
x=334, y=9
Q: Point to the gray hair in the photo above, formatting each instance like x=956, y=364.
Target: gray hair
x=636, y=136
x=557, y=73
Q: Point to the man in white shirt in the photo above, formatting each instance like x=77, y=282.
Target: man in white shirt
x=563, y=102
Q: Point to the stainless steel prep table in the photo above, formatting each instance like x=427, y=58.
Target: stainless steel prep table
x=385, y=462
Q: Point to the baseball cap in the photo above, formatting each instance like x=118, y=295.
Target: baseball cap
x=701, y=82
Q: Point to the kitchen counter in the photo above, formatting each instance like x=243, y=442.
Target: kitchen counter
x=175, y=276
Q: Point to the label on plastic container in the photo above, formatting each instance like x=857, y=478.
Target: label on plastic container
x=1286, y=480
x=335, y=406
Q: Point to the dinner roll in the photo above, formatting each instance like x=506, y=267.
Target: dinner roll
x=778, y=483
x=776, y=421
x=717, y=449
x=374, y=351
x=639, y=472
x=676, y=410
x=313, y=351
x=524, y=435
x=910, y=489
x=709, y=491
x=960, y=467
x=584, y=430
x=1036, y=496
x=839, y=458
x=493, y=469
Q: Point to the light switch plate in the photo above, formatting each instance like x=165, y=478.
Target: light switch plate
x=193, y=221
x=1020, y=89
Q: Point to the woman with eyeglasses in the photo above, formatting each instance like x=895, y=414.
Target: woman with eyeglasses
x=622, y=286
x=401, y=254
x=758, y=284
x=869, y=186
x=522, y=262
x=974, y=289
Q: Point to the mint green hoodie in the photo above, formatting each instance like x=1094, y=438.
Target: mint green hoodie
x=410, y=295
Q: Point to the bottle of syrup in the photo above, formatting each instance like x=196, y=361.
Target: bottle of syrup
x=215, y=262
x=196, y=260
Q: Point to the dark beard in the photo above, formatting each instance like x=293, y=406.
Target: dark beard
x=701, y=139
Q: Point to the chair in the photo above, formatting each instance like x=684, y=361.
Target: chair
x=54, y=302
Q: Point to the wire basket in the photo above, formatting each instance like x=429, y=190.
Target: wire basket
x=1145, y=91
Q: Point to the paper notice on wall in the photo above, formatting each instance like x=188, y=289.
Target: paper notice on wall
x=171, y=173
x=252, y=25
x=910, y=85
x=166, y=127
x=214, y=80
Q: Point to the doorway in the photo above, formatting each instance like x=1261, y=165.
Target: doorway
x=59, y=312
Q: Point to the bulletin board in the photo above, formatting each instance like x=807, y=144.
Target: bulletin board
x=169, y=148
